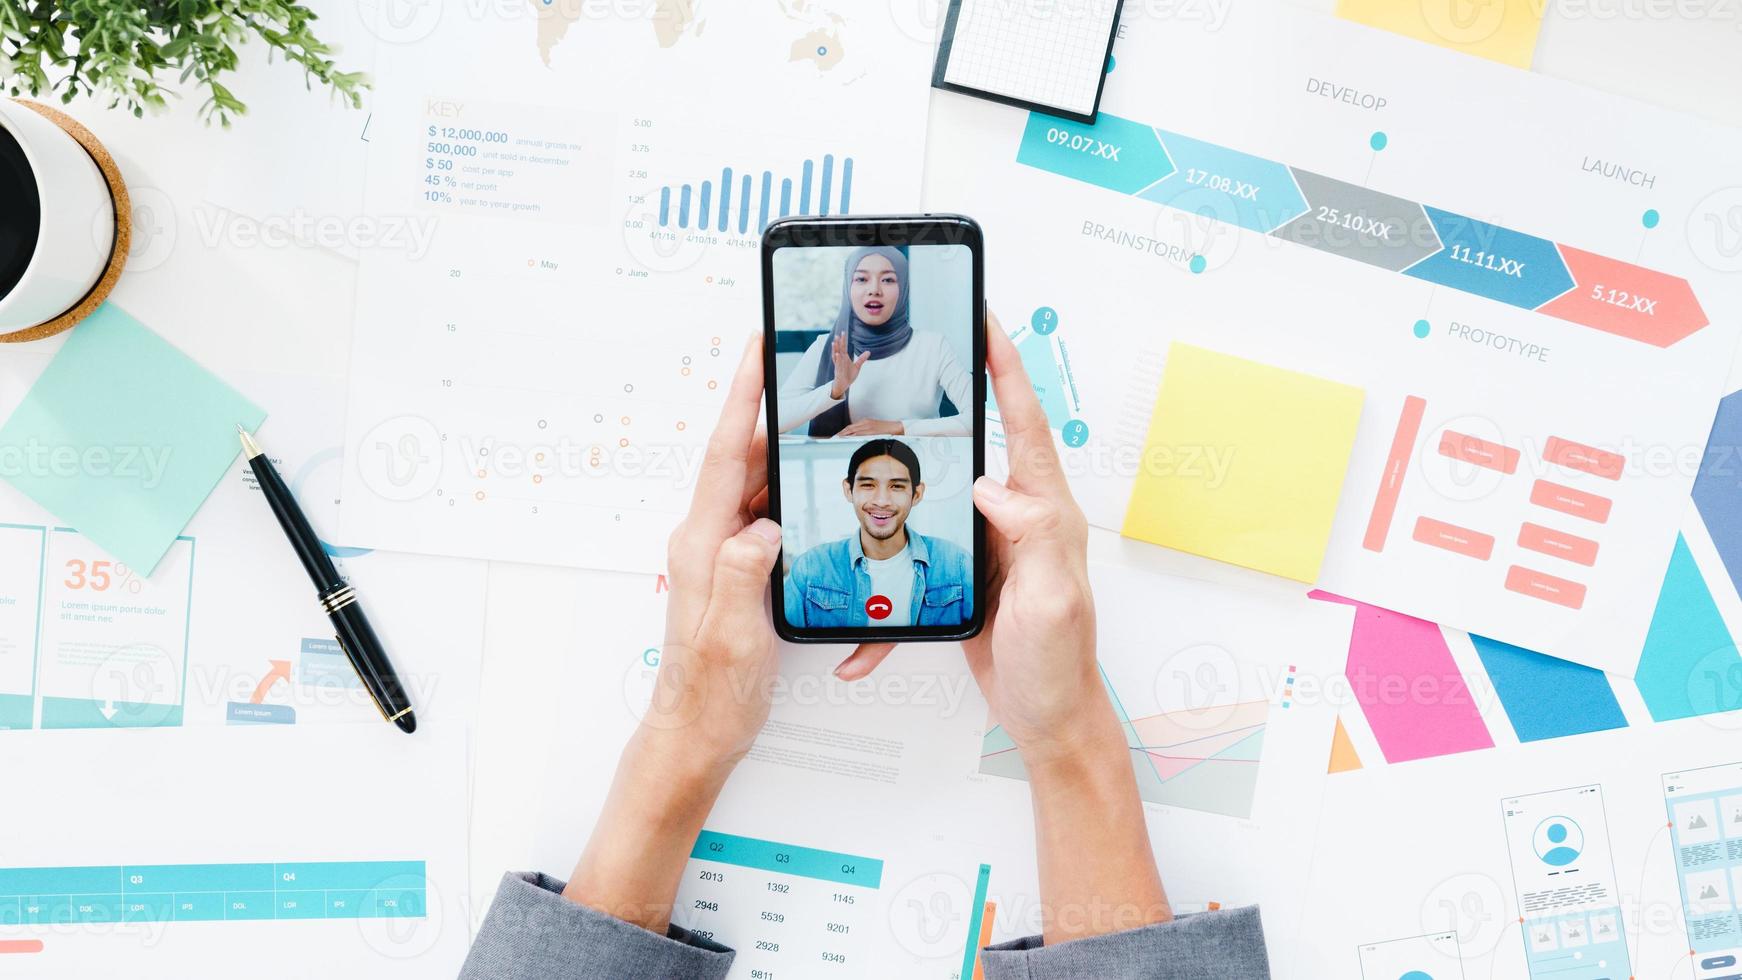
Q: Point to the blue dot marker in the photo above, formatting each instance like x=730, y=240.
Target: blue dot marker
x=1110, y=63
x=1421, y=329
x=1075, y=433
x=1377, y=141
x=1044, y=321
x=1198, y=264
x=1649, y=218
x=822, y=50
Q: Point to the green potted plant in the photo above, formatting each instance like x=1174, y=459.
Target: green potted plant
x=119, y=49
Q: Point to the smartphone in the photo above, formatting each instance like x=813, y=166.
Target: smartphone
x=874, y=353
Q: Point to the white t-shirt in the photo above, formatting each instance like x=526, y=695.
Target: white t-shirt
x=892, y=578
x=904, y=387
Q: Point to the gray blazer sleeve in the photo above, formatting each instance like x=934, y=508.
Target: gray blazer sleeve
x=1208, y=946
x=533, y=933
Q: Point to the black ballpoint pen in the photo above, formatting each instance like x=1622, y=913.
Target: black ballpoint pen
x=356, y=637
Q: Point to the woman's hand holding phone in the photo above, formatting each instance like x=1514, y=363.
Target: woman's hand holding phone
x=1035, y=660
x=717, y=667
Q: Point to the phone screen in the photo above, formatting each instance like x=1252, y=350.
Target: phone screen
x=876, y=398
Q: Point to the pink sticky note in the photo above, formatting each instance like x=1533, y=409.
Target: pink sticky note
x=1408, y=686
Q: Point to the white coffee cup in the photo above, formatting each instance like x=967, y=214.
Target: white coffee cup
x=78, y=221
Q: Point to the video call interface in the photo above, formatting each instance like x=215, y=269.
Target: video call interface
x=873, y=359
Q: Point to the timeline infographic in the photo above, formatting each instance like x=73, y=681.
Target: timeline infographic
x=1540, y=348
x=1357, y=222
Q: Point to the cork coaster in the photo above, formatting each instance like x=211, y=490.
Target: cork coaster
x=123, y=229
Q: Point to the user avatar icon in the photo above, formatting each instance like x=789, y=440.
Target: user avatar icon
x=1558, y=841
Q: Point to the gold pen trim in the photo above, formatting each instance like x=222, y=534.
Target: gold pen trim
x=366, y=688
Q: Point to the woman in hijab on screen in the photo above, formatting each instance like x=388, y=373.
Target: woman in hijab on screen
x=873, y=374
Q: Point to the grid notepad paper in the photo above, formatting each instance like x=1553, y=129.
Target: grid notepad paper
x=1043, y=54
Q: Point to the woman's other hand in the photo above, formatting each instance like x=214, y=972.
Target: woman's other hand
x=716, y=674
x=719, y=655
x=1035, y=660
x=846, y=368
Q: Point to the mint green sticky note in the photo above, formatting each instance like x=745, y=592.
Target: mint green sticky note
x=123, y=437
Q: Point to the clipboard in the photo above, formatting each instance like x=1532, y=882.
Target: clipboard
x=1044, y=57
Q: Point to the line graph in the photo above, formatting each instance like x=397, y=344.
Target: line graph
x=1198, y=758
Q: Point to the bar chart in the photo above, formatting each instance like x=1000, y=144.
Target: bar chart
x=742, y=201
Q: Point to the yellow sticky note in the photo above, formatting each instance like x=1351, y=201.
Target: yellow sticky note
x=1244, y=462
x=1499, y=30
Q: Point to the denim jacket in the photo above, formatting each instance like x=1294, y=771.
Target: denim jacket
x=829, y=584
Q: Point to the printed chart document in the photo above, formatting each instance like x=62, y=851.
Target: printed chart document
x=203, y=853
x=816, y=861
x=1228, y=699
x=1605, y=855
x=537, y=381
x=225, y=630
x=1222, y=695
x=1518, y=273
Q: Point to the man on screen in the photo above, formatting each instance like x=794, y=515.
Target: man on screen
x=885, y=573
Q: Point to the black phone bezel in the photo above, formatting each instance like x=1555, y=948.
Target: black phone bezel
x=857, y=230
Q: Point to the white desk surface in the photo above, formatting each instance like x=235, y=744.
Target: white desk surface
x=287, y=309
